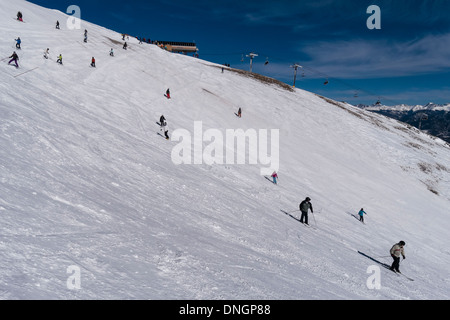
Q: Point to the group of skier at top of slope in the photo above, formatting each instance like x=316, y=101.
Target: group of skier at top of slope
x=15, y=58
x=397, y=249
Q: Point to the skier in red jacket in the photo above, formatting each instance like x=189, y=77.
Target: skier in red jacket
x=274, y=177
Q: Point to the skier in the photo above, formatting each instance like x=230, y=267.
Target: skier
x=14, y=57
x=46, y=53
x=18, y=42
x=111, y=53
x=125, y=46
x=162, y=122
x=168, y=94
x=361, y=215
x=85, y=35
x=57, y=24
x=166, y=131
x=274, y=177
x=396, y=251
x=19, y=16
x=304, y=206
x=59, y=60
x=239, y=112
x=93, y=62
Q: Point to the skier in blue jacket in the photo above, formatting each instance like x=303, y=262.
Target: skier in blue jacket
x=18, y=42
x=361, y=215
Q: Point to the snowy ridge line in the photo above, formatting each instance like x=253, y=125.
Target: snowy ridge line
x=404, y=107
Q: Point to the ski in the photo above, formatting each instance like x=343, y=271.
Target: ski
x=401, y=274
x=308, y=226
x=159, y=134
x=270, y=180
x=395, y=272
x=297, y=219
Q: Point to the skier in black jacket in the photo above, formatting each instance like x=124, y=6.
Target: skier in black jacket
x=304, y=206
x=14, y=57
x=162, y=122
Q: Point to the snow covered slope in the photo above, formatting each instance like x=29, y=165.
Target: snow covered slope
x=87, y=184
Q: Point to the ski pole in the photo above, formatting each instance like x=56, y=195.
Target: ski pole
x=314, y=218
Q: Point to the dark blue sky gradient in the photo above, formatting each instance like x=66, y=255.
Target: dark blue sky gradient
x=407, y=61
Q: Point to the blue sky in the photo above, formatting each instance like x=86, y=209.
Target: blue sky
x=406, y=61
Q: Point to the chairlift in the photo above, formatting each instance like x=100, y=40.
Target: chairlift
x=326, y=82
x=267, y=61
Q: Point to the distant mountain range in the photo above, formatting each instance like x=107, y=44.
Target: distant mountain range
x=431, y=118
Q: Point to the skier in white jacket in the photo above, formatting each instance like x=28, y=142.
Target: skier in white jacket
x=397, y=251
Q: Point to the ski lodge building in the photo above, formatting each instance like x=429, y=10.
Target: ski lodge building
x=177, y=47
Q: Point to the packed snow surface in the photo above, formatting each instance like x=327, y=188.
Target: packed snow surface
x=93, y=207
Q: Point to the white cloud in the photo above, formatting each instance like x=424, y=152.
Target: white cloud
x=381, y=58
